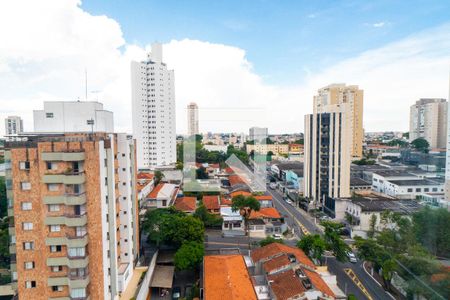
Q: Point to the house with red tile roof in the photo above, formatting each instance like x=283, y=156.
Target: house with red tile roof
x=290, y=273
x=266, y=222
x=186, y=204
x=145, y=184
x=227, y=277
x=212, y=203
x=163, y=195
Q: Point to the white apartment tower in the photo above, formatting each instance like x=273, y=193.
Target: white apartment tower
x=153, y=110
x=13, y=126
x=258, y=134
x=192, y=115
x=428, y=120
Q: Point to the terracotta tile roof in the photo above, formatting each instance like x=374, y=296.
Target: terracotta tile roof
x=145, y=175
x=286, y=285
x=235, y=179
x=229, y=170
x=215, y=166
x=186, y=204
x=227, y=277
x=276, y=263
x=226, y=202
x=266, y=212
x=154, y=193
x=319, y=283
x=276, y=248
x=211, y=202
x=263, y=197
x=237, y=193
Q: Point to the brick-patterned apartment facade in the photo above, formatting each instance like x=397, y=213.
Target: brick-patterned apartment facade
x=72, y=205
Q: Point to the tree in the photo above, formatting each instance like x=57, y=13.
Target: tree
x=186, y=229
x=156, y=223
x=245, y=206
x=270, y=240
x=189, y=256
x=4, y=243
x=388, y=267
x=333, y=240
x=372, y=223
x=201, y=173
x=158, y=176
x=420, y=144
x=313, y=245
x=208, y=219
x=3, y=199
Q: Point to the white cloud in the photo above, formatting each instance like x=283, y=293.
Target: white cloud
x=46, y=48
x=379, y=24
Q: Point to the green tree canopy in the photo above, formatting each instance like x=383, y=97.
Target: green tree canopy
x=245, y=206
x=334, y=241
x=313, y=245
x=189, y=256
x=420, y=144
x=270, y=240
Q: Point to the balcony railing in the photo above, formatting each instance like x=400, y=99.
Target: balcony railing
x=74, y=214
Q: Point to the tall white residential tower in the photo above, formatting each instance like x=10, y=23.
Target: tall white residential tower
x=192, y=114
x=153, y=108
x=13, y=126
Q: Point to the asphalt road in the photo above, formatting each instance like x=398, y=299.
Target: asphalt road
x=344, y=282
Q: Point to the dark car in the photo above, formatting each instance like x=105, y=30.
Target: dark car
x=176, y=293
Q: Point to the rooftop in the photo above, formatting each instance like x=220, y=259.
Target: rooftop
x=276, y=263
x=186, y=204
x=356, y=181
x=286, y=285
x=415, y=182
x=266, y=212
x=382, y=204
x=211, y=202
x=226, y=277
x=275, y=249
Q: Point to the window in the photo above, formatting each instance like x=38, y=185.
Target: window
x=26, y=206
x=29, y=265
x=435, y=189
x=57, y=269
x=410, y=190
x=52, y=165
x=57, y=248
x=49, y=115
x=53, y=207
x=27, y=226
x=24, y=165
x=55, y=228
x=78, y=293
x=57, y=288
x=28, y=245
x=30, y=284
x=77, y=252
x=53, y=187
x=81, y=231
x=418, y=189
x=25, y=186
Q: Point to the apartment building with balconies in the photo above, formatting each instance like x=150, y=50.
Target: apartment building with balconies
x=72, y=206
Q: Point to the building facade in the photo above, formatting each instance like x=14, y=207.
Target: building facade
x=336, y=94
x=447, y=160
x=13, y=125
x=153, y=110
x=192, y=115
x=327, y=157
x=73, y=116
x=428, y=120
x=72, y=206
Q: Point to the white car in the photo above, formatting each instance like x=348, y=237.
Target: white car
x=273, y=185
x=351, y=257
x=289, y=202
x=277, y=236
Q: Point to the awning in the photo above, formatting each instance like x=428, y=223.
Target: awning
x=163, y=277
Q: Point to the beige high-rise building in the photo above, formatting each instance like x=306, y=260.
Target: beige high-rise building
x=327, y=157
x=428, y=120
x=335, y=94
x=192, y=115
x=73, y=208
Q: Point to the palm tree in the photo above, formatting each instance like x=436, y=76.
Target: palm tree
x=245, y=206
x=158, y=176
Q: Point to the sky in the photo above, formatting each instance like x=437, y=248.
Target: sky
x=245, y=63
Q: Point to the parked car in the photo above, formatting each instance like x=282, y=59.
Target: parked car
x=351, y=257
x=273, y=185
x=176, y=293
x=277, y=236
x=289, y=202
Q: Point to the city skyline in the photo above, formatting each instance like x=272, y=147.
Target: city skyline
x=392, y=76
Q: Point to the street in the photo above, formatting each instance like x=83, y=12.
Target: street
x=295, y=216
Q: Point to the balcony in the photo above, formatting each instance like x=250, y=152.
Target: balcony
x=78, y=282
x=72, y=263
x=67, y=199
x=64, y=156
x=71, y=220
x=65, y=178
x=68, y=240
